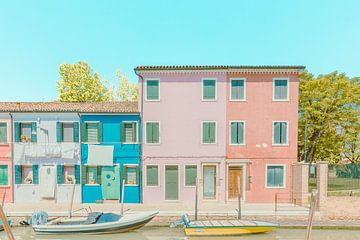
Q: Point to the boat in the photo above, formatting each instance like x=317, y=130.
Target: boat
x=2, y=226
x=97, y=223
x=223, y=227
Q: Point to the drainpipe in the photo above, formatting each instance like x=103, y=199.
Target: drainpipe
x=12, y=156
x=140, y=142
x=80, y=156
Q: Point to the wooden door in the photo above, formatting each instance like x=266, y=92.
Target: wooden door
x=234, y=173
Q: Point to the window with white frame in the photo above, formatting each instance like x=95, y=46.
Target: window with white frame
x=152, y=175
x=3, y=133
x=152, y=89
x=237, y=132
x=209, y=132
x=275, y=176
x=209, y=89
x=129, y=132
x=237, y=89
x=281, y=89
x=152, y=131
x=280, y=133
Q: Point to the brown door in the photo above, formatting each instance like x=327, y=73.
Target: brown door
x=234, y=173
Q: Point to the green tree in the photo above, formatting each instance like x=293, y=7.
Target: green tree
x=326, y=103
x=128, y=91
x=78, y=83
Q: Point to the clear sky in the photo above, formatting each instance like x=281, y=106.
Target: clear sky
x=37, y=36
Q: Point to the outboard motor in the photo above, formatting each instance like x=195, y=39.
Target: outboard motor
x=184, y=221
x=39, y=218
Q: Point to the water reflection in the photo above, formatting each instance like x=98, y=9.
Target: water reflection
x=164, y=233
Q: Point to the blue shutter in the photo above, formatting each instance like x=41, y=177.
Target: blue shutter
x=17, y=174
x=59, y=132
x=35, y=169
x=59, y=171
x=33, y=132
x=77, y=174
x=17, y=132
x=76, y=132
x=100, y=132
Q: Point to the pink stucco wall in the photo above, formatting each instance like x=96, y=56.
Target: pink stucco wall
x=181, y=112
x=259, y=111
x=5, y=159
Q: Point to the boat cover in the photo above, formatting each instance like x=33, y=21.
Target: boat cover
x=108, y=217
x=93, y=218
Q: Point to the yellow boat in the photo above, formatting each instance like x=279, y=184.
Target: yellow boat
x=225, y=227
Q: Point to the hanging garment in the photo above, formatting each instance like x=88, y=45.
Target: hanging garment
x=47, y=181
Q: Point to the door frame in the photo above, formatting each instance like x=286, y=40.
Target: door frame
x=178, y=168
x=243, y=165
x=216, y=180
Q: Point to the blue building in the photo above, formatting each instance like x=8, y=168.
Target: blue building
x=111, y=153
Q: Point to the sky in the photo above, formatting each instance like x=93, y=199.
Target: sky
x=37, y=36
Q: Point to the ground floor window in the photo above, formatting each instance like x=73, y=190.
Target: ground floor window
x=26, y=174
x=152, y=175
x=131, y=174
x=190, y=175
x=275, y=176
x=68, y=174
x=4, y=175
x=92, y=175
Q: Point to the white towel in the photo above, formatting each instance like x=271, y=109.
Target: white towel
x=47, y=181
x=100, y=155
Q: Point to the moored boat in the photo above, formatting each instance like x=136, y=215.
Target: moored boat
x=97, y=223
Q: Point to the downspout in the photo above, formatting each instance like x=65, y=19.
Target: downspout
x=80, y=152
x=141, y=135
x=12, y=156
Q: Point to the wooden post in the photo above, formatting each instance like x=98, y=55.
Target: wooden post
x=6, y=224
x=239, y=198
x=122, y=196
x=3, y=198
x=276, y=199
x=196, y=200
x=72, y=200
x=313, y=203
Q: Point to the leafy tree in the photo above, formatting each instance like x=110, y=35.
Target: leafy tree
x=128, y=91
x=326, y=103
x=79, y=83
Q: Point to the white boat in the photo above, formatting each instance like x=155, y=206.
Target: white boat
x=111, y=223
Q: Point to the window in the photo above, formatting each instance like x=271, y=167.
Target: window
x=237, y=133
x=275, y=176
x=152, y=90
x=152, y=175
x=130, y=174
x=27, y=176
x=280, y=130
x=3, y=133
x=281, y=90
x=66, y=174
x=209, y=132
x=68, y=132
x=190, y=175
x=93, y=175
x=237, y=89
x=129, y=132
x=152, y=132
x=25, y=132
x=92, y=132
x=4, y=175
x=209, y=89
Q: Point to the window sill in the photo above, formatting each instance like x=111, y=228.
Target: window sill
x=153, y=186
x=237, y=145
x=209, y=100
x=237, y=100
x=192, y=186
x=281, y=100
x=154, y=144
x=129, y=143
x=152, y=100
x=208, y=143
x=95, y=184
x=131, y=185
x=91, y=143
x=275, y=187
x=280, y=145
x=26, y=184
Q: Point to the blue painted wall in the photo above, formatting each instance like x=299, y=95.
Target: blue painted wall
x=123, y=154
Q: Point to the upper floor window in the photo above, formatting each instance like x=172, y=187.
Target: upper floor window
x=129, y=132
x=4, y=175
x=281, y=89
x=237, y=133
x=209, y=89
x=152, y=132
x=152, y=90
x=91, y=132
x=280, y=133
x=208, y=132
x=25, y=132
x=3, y=133
x=67, y=132
x=237, y=89
x=275, y=176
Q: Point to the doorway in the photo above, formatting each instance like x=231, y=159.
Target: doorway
x=209, y=182
x=234, y=172
x=110, y=182
x=171, y=183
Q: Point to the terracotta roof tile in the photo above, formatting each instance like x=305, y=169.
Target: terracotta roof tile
x=217, y=67
x=87, y=107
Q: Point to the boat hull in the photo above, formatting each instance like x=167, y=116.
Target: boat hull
x=133, y=223
x=225, y=231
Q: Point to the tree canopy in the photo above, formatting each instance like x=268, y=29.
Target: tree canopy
x=128, y=91
x=328, y=110
x=78, y=83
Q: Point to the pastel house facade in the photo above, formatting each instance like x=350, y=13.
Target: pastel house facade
x=6, y=176
x=183, y=113
x=262, y=125
x=110, y=151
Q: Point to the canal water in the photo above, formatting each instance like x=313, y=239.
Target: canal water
x=164, y=233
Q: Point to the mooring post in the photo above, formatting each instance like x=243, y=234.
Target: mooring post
x=313, y=203
x=6, y=224
x=196, y=200
x=239, y=198
x=276, y=202
x=71, y=200
x=122, y=196
x=3, y=198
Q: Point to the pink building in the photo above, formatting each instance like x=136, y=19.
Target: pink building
x=6, y=183
x=214, y=125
